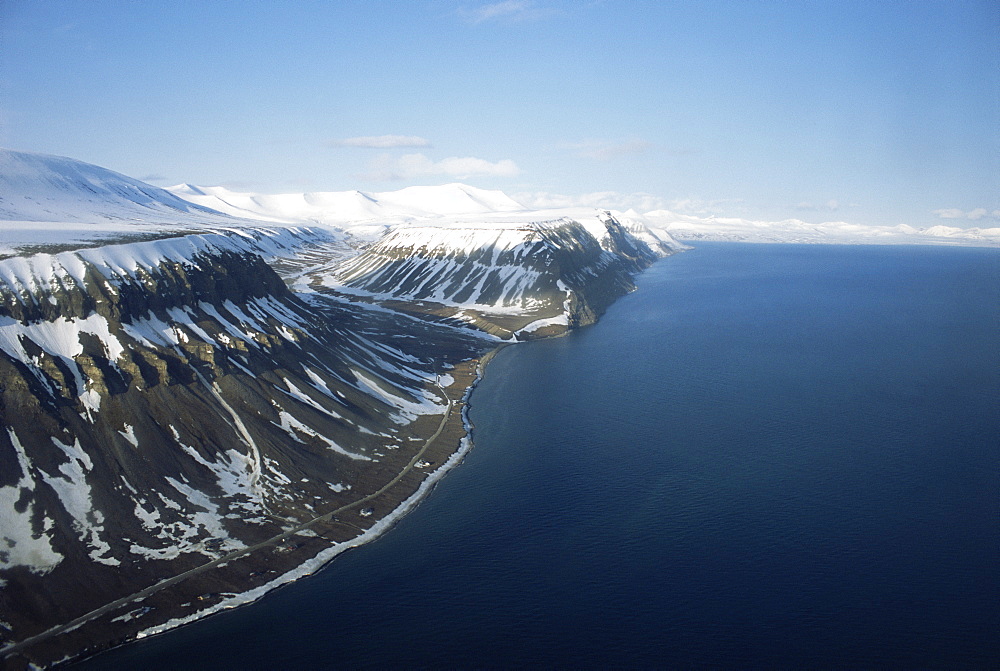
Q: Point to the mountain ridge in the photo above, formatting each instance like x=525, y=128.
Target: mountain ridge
x=65, y=187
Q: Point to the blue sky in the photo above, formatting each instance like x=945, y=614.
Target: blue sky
x=869, y=112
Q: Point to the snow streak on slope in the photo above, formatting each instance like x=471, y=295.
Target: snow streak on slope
x=471, y=266
x=26, y=544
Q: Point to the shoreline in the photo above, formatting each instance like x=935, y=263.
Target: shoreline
x=324, y=558
x=126, y=607
x=299, y=550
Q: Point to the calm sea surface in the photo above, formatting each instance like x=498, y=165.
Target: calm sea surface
x=778, y=456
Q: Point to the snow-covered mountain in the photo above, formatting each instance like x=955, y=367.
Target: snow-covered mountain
x=472, y=254
x=345, y=207
x=40, y=187
x=527, y=280
x=257, y=394
x=55, y=203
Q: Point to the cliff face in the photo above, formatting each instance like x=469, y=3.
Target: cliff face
x=523, y=281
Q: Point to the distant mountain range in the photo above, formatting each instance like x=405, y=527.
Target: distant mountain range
x=341, y=207
x=732, y=229
x=52, y=200
x=352, y=209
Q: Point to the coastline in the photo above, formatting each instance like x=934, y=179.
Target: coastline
x=295, y=550
x=381, y=526
x=428, y=582
x=301, y=548
x=454, y=433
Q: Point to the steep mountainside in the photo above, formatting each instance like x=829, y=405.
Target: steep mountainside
x=524, y=280
x=167, y=403
x=190, y=421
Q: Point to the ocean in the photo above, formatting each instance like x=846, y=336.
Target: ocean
x=773, y=456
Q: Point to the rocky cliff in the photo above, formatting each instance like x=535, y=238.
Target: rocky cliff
x=516, y=281
x=166, y=403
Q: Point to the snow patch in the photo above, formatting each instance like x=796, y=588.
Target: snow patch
x=20, y=544
x=294, y=427
x=75, y=495
x=407, y=410
x=129, y=435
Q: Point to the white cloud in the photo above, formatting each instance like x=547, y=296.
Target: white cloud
x=508, y=9
x=382, y=141
x=611, y=200
x=831, y=205
x=702, y=207
x=639, y=201
x=604, y=150
x=975, y=215
x=387, y=168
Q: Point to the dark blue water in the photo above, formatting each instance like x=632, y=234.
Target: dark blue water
x=768, y=456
